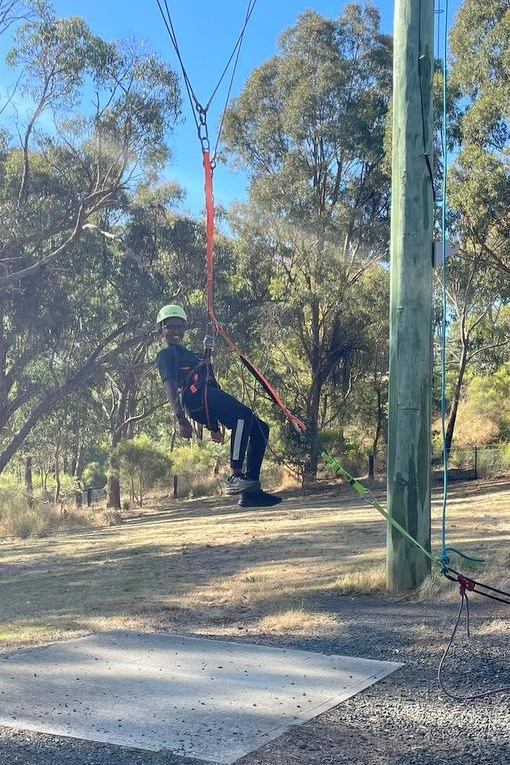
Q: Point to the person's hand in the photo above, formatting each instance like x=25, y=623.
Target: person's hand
x=186, y=428
x=217, y=436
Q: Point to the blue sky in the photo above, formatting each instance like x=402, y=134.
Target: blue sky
x=207, y=32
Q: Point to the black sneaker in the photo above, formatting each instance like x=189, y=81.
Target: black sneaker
x=258, y=499
x=239, y=483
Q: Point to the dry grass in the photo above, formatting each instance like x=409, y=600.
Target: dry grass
x=209, y=567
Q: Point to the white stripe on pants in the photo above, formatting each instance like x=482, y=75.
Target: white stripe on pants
x=238, y=437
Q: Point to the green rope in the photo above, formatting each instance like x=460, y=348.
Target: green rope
x=367, y=495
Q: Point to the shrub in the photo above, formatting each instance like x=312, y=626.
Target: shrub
x=19, y=518
x=351, y=453
x=23, y=517
x=142, y=466
x=93, y=476
x=111, y=517
x=197, y=467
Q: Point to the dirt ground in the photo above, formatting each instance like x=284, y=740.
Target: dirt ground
x=307, y=575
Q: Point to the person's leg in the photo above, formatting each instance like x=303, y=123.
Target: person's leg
x=255, y=497
x=239, y=419
x=256, y=448
x=249, y=434
x=235, y=416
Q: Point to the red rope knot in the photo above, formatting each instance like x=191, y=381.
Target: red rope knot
x=466, y=583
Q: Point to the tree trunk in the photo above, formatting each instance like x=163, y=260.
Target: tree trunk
x=113, y=491
x=452, y=417
x=113, y=483
x=56, y=495
x=29, y=485
x=76, y=380
x=377, y=436
x=312, y=459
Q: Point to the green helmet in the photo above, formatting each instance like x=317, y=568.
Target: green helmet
x=171, y=310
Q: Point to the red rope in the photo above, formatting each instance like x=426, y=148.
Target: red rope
x=209, y=228
x=209, y=211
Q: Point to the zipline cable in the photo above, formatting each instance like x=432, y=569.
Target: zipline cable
x=236, y=52
x=167, y=20
x=197, y=107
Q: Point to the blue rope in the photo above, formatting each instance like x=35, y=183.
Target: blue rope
x=444, y=129
x=444, y=556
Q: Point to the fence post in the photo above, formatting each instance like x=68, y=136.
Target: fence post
x=476, y=463
x=176, y=480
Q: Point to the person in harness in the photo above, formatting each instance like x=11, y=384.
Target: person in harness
x=194, y=393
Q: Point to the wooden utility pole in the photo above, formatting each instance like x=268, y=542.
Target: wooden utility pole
x=409, y=421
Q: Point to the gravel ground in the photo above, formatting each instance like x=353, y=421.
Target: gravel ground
x=404, y=719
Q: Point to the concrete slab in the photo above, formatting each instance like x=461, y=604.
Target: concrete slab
x=210, y=699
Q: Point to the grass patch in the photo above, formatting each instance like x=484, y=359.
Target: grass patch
x=297, y=621
x=368, y=580
x=208, y=567
x=18, y=519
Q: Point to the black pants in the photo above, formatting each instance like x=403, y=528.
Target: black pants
x=249, y=433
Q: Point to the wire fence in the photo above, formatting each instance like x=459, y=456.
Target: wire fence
x=476, y=462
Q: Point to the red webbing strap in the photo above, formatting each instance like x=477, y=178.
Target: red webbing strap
x=209, y=221
x=209, y=228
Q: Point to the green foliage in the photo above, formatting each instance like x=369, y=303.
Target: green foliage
x=310, y=125
x=70, y=290
x=484, y=417
x=350, y=452
x=17, y=518
x=23, y=517
x=88, y=256
x=489, y=396
x=295, y=449
x=198, y=467
x=9, y=488
x=480, y=181
x=143, y=465
x=93, y=476
x=493, y=461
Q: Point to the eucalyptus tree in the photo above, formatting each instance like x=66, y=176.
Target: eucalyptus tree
x=485, y=412
x=480, y=178
x=13, y=11
x=125, y=403
x=478, y=194
x=309, y=127
x=478, y=333
x=68, y=300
